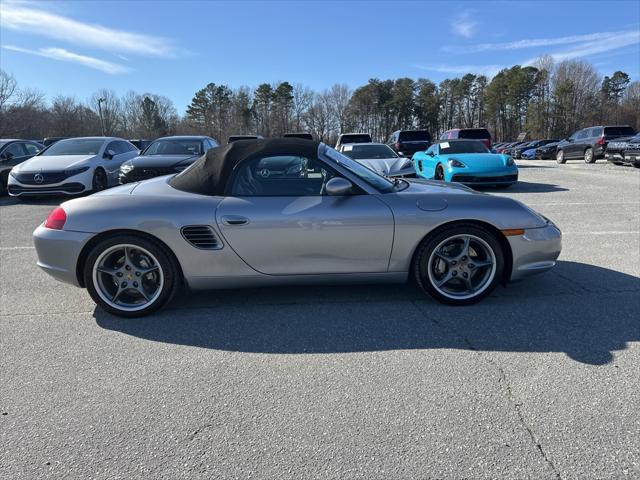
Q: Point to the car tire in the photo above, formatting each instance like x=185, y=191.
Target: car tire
x=439, y=174
x=4, y=179
x=131, y=276
x=560, y=158
x=99, y=181
x=442, y=254
x=589, y=157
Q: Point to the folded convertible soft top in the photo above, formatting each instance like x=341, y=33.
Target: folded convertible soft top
x=209, y=174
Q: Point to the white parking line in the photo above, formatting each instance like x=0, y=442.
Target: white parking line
x=611, y=232
x=16, y=248
x=592, y=204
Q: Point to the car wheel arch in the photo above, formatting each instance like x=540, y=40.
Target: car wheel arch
x=502, y=240
x=99, y=237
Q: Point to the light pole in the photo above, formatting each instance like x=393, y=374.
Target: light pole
x=100, y=100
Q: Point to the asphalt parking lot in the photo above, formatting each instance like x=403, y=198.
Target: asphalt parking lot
x=541, y=380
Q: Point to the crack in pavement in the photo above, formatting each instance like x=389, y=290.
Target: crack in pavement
x=503, y=380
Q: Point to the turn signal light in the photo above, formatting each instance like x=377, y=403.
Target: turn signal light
x=512, y=232
x=56, y=219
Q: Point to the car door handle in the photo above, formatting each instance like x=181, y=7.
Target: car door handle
x=234, y=220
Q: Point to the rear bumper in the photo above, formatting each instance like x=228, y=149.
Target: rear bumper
x=536, y=251
x=58, y=252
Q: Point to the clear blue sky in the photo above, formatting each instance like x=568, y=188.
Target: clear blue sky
x=174, y=48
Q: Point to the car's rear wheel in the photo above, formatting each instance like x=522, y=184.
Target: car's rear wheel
x=589, y=157
x=459, y=265
x=560, y=158
x=99, y=181
x=130, y=276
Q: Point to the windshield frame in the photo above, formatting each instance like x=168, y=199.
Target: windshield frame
x=365, y=175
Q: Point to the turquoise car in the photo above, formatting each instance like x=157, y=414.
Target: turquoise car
x=465, y=161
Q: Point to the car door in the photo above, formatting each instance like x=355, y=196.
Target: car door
x=429, y=161
x=576, y=147
x=13, y=154
x=280, y=221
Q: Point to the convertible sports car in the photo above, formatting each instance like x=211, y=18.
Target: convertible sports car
x=466, y=161
x=288, y=211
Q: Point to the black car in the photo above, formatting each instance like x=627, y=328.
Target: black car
x=517, y=151
x=407, y=142
x=304, y=135
x=615, y=150
x=631, y=153
x=165, y=156
x=508, y=150
x=590, y=143
x=13, y=152
x=547, y=152
x=51, y=140
x=481, y=134
x=140, y=143
x=235, y=138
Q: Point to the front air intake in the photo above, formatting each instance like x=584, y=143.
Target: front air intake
x=201, y=236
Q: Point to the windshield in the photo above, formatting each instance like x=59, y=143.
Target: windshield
x=75, y=146
x=415, y=136
x=360, y=152
x=174, y=147
x=479, y=133
x=369, y=176
x=355, y=138
x=463, y=147
x=621, y=131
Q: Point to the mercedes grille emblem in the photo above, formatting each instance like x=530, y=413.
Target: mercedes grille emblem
x=38, y=178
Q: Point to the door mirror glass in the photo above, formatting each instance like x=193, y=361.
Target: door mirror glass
x=338, y=186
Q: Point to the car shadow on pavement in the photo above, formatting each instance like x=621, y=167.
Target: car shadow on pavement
x=585, y=311
x=533, y=187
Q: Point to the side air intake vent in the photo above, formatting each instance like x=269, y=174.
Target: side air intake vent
x=201, y=236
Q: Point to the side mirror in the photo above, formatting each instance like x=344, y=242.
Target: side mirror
x=109, y=154
x=6, y=156
x=431, y=153
x=338, y=186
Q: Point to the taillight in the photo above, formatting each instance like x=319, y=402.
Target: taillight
x=601, y=141
x=56, y=219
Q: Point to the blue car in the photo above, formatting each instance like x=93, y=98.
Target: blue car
x=529, y=154
x=465, y=161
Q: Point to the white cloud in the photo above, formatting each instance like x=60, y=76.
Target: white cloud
x=586, y=49
x=632, y=36
x=464, y=26
x=22, y=17
x=488, y=70
x=66, y=56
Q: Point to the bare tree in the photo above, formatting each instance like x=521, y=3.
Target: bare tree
x=107, y=101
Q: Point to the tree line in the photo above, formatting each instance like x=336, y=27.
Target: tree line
x=545, y=100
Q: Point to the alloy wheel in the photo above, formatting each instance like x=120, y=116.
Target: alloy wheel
x=462, y=267
x=128, y=277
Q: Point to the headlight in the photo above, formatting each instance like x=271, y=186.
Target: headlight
x=510, y=162
x=126, y=168
x=70, y=172
x=456, y=163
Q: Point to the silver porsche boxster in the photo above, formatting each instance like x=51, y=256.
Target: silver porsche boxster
x=277, y=211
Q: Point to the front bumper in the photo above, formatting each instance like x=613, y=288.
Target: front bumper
x=536, y=251
x=139, y=174
x=58, y=252
x=74, y=185
x=488, y=179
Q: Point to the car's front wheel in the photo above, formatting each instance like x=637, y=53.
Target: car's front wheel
x=439, y=175
x=560, y=158
x=130, y=276
x=99, y=181
x=459, y=265
x=4, y=179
